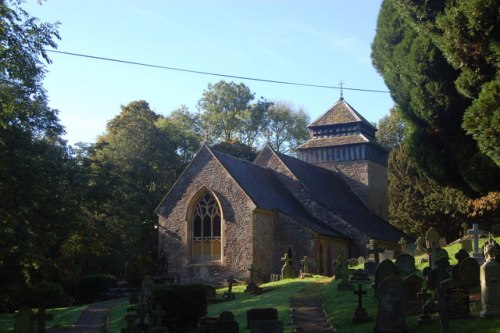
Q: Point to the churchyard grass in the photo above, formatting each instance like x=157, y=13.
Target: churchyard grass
x=116, y=317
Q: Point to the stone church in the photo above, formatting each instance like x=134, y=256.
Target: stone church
x=225, y=215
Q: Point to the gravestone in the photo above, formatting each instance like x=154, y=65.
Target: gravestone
x=411, y=249
x=141, y=313
x=384, y=270
x=370, y=267
x=287, y=269
x=130, y=318
x=361, y=260
x=359, y=276
x=413, y=285
x=431, y=243
x=402, y=242
x=460, y=256
x=391, y=299
x=360, y=315
x=253, y=274
x=386, y=255
x=476, y=233
x=342, y=274
x=424, y=297
x=440, y=273
x=490, y=284
x=466, y=244
x=156, y=320
x=442, y=242
x=419, y=247
x=306, y=266
x=229, y=293
x=268, y=314
x=374, y=250
x=23, y=321
x=469, y=273
x=267, y=326
x=493, y=242
x=226, y=323
x=41, y=317
x=458, y=299
x=146, y=287
x=405, y=264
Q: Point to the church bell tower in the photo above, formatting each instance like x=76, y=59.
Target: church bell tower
x=343, y=141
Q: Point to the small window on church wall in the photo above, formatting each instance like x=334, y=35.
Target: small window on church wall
x=206, y=242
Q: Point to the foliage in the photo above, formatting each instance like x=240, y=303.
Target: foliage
x=422, y=51
x=417, y=202
x=286, y=127
x=485, y=209
x=236, y=149
x=226, y=109
x=91, y=288
x=48, y=294
x=391, y=128
x=186, y=303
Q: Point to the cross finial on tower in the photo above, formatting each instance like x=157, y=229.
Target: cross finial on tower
x=341, y=89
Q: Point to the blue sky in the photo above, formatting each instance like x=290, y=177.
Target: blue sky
x=314, y=42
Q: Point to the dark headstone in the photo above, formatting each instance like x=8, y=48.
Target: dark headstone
x=207, y=324
x=469, y=272
x=385, y=269
x=424, y=298
x=370, y=267
x=24, y=321
x=226, y=324
x=437, y=275
x=229, y=293
x=374, y=250
x=390, y=305
x=405, y=264
x=360, y=276
x=413, y=286
x=457, y=298
x=267, y=326
x=261, y=314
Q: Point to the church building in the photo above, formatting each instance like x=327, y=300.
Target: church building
x=224, y=215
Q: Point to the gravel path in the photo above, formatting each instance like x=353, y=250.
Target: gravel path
x=307, y=312
x=91, y=319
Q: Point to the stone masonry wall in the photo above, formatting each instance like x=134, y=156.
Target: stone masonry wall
x=236, y=209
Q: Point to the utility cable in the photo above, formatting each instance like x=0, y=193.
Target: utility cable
x=128, y=62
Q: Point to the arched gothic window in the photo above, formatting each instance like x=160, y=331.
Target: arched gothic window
x=206, y=229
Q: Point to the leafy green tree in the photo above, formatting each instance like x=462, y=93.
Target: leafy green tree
x=226, y=109
x=390, y=130
x=286, y=127
x=184, y=128
x=236, y=149
x=136, y=162
x=409, y=51
x=417, y=202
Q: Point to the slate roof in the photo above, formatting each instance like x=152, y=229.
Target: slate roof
x=333, y=141
x=329, y=189
x=267, y=192
x=340, y=113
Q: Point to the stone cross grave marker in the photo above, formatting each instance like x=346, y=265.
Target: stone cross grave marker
x=23, y=321
x=403, y=243
x=490, y=284
x=306, y=263
x=287, y=269
x=431, y=242
x=375, y=250
x=229, y=293
x=391, y=306
x=476, y=233
x=360, y=315
x=41, y=317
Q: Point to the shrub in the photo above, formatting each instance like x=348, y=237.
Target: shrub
x=49, y=294
x=184, y=305
x=92, y=288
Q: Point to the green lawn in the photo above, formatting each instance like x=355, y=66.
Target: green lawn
x=339, y=305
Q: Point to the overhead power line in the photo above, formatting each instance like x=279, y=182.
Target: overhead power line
x=128, y=62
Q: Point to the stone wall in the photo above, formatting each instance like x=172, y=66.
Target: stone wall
x=236, y=211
